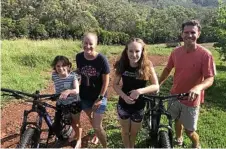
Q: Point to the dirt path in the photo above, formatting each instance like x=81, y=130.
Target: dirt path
x=12, y=113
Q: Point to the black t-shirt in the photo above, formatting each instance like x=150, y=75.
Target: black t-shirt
x=131, y=82
x=91, y=75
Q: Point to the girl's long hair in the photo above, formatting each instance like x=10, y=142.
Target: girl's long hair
x=144, y=71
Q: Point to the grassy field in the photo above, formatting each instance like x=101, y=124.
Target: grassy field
x=22, y=57
x=25, y=65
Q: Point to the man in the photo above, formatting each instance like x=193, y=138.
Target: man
x=194, y=72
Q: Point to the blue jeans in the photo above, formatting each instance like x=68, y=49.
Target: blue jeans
x=87, y=104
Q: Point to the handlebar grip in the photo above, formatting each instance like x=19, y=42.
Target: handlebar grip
x=183, y=95
x=16, y=92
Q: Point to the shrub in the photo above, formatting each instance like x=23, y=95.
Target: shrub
x=172, y=44
x=21, y=28
x=7, y=28
x=107, y=37
x=38, y=32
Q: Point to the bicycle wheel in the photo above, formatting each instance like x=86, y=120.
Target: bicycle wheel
x=164, y=141
x=29, y=139
x=152, y=132
x=154, y=125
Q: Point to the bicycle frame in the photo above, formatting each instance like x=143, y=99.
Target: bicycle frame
x=155, y=109
x=37, y=107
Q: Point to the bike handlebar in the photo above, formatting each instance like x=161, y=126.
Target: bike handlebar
x=20, y=94
x=151, y=97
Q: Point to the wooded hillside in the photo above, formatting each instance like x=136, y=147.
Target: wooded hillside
x=115, y=21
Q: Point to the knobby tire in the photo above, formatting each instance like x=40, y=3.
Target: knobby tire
x=164, y=141
x=28, y=139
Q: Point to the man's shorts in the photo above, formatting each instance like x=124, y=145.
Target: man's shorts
x=87, y=104
x=188, y=116
x=135, y=115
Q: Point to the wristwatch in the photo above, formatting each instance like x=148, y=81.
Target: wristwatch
x=100, y=97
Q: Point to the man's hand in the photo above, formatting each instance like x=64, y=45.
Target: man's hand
x=194, y=93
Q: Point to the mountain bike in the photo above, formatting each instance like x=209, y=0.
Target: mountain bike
x=30, y=131
x=160, y=135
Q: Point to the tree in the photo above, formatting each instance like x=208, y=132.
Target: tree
x=221, y=31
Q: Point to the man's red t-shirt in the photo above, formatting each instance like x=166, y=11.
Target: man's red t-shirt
x=190, y=70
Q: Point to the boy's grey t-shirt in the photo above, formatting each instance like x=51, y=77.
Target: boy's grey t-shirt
x=91, y=75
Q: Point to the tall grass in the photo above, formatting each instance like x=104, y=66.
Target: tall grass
x=26, y=63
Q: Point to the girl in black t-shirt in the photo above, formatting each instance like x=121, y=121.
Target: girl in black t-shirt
x=135, y=70
x=94, y=70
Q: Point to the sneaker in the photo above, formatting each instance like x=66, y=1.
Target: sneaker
x=95, y=140
x=179, y=141
x=78, y=144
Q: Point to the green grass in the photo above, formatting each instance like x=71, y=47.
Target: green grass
x=159, y=49
x=25, y=63
x=25, y=66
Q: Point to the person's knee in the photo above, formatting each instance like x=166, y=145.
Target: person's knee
x=190, y=133
x=134, y=133
x=125, y=133
x=178, y=122
x=135, y=129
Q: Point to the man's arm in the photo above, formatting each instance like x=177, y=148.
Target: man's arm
x=207, y=82
x=196, y=90
x=164, y=75
x=208, y=71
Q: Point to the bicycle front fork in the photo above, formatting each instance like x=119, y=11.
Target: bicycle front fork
x=26, y=124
